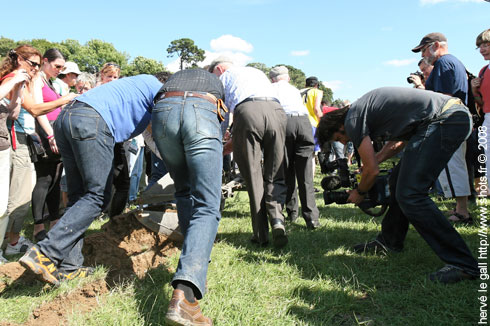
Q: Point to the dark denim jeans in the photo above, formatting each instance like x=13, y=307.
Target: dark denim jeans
x=87, y=148
x=188, y=135
x=425, y=155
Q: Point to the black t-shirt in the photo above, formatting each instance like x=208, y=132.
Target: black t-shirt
x=392, y=113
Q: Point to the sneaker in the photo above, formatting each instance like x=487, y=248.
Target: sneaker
x=22, y=246
x=374, y=246
x=41, y=265
x=3, y=260
x=82, y=272
x=450, y=274
x=182, y=312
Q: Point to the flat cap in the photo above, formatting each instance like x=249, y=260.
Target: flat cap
x=277, y=71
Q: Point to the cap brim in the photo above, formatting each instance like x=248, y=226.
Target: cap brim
x=418, y=48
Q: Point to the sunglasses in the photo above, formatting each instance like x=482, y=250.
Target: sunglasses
x=31, y=63
x=58, y=66
x=113, y=64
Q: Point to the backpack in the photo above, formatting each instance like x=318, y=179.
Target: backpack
x=471, y=104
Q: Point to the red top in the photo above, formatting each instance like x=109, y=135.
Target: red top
x=485, y=89
x=327, y=109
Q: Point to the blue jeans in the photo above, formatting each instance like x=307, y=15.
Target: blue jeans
x=87, y=149
x=188, y=135
x=425, y=155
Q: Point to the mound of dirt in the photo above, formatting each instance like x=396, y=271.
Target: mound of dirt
x=56, y=312
x=124, y=246
x=127, y=248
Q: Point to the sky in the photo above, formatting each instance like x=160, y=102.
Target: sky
x=352, y=46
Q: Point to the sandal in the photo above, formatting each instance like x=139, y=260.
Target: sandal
x=460, y=219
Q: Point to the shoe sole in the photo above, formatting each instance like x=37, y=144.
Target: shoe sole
x=176, y=320
x=39, y=270
x=279, y=238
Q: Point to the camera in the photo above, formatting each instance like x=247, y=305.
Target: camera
x=417, y=73
x=338, y=176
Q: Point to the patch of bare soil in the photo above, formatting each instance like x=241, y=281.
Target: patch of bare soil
x=124, y=246
x=127, y=248
x=57, y=311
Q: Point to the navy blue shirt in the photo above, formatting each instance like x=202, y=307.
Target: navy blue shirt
x=124, y=104
x=449, y=77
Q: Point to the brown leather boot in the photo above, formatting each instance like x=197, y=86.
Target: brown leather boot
x=183, y=313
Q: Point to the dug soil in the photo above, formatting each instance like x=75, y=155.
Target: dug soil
x=124, y=246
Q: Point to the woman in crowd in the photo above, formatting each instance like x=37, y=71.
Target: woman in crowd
x=28, y=58
x=109, y=72
x=49, y=168
x=480, y=87
x=8, y=108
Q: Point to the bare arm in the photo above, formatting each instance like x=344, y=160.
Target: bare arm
x=370, y=170
x=390, y=149
x=37, y=109
x=318, y=105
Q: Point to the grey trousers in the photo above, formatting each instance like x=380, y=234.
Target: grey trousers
x=259, y=131
x=299, y=153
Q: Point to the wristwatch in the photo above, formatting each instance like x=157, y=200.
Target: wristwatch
x=362, y=193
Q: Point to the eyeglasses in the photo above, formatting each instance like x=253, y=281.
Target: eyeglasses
x=58, y=67
x=31, y=63
x=426, y=47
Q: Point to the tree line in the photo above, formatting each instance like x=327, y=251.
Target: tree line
x=92, y=55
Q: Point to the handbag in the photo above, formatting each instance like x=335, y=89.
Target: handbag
x=34, y=145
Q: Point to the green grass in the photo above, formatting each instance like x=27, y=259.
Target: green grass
x=315, y=280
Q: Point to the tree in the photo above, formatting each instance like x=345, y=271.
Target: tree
x=327, y=93
x=261, y=66
x=189, y=53
x=142, y=65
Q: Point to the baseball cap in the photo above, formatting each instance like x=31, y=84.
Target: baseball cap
x=429, y=38
x=70, y=67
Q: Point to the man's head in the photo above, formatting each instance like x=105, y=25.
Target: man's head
x=331, y=127
x=311, y=82
x=163, y=76
x=425, y=67
x=220, y=65
x=85, y=82
x=70, y=73
x=432, y=46
x=279, y=73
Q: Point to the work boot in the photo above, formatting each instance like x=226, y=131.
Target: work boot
x=41, y=265
x=184, y=313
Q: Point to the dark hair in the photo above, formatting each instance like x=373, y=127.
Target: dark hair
x=330, y=123
x=162, y=76
x=53, y=54
x=311, y=81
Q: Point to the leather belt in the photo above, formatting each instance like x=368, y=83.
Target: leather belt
x=259, y=98
x=207, y=96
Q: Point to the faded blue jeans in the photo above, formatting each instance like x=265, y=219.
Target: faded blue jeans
x=188, y=135
x=87, y=149
x=425, y=155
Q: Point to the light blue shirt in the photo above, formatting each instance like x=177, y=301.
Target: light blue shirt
x=290, y=98
x=124, y=104
x=244, y=82
x=25, y=123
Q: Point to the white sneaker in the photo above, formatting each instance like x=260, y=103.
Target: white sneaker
x=21, y=247
x=3, y=260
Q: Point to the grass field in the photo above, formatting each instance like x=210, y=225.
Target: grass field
x=315, y=280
